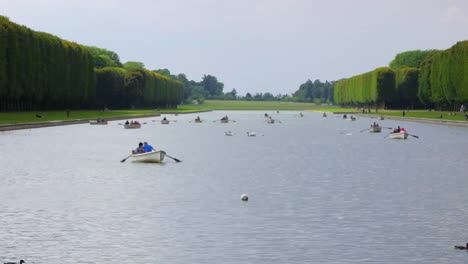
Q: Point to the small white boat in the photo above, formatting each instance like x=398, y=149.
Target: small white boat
x=324, y=114
x=270, y=120
x=165, y=122
x=375, y=129
x=224, y=120
x=198, y=120
x=150, y=157
x=352, y=118
x=399, y=135
x=251, y=134
x=98, y=122
x=301, y=115
x=132, y=126
x=228, y=133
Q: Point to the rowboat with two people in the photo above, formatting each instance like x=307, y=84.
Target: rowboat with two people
x=132, y=124
x=375, y=128
x=198, y=120
x=145, y=153
x=399, y=133
x=270, y=120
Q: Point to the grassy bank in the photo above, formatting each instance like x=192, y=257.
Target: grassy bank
x=255, y=105
x=443, y=115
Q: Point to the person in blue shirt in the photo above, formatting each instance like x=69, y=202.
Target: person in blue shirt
x=147, y=147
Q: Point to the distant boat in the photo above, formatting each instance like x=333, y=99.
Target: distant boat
x=98, y=122
x=399, y=135
x=228, y=133
x=270, y=120
x=132, y=126
x=324, y=114
x=165, y=122
x=375, y=128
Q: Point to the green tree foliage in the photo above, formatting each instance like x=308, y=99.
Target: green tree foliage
x=444, y=76
x=411, y=58
x=121, y=88
x=41, y=71
x=134, y=65
x=104, y=58
x=316, y=91
x=407, y=83
x=375, y=87
x=212, y=86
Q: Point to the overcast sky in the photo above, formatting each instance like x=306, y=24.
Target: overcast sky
x=251, y=45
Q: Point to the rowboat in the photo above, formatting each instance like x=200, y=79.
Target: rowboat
x=132, y=126
x=375, y=129
x=98, y=122
x=324, y=114
x=352, y=118
x=399, y=135
x=198, y=120
x=224, y=120
x=165, y=122
x=228, y=133
x=150, y=157
x=270, y=120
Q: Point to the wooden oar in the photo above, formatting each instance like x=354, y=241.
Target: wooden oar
x=126, y=158
x=412, y=135
x=176, y=160
x=388, y=134
x=364, y=130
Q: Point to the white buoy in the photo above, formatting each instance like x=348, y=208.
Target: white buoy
x=244, y=197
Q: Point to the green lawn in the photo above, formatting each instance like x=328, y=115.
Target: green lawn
x=254, y=105
x=444, y=115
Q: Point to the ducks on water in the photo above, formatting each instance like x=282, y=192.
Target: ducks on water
x=461, y=247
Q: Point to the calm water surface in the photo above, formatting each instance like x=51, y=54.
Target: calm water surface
x=320, y=192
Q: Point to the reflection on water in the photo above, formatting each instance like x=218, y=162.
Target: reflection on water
x=319, y=191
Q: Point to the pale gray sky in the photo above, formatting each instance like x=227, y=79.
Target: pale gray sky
x=251, y=45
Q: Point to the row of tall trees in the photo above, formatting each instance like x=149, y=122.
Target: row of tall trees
x=41, y=71
x=444, y=77
x=126, y=88
x=430, y=78
x=376, y=87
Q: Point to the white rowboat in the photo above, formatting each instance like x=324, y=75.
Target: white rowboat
x=375, y=129
x=151, y=157
x=165, y=122
x=400, y=135
x=132, y=126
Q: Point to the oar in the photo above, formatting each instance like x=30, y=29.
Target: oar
x=388, y=134
x=126, y=158
x=364, y=130
x=412, y=135
x=176, y=160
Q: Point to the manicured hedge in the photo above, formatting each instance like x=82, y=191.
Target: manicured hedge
x=41, y=71
x=375, y=87
x=444, y=76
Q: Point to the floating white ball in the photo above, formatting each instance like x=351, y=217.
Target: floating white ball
x=244, y=197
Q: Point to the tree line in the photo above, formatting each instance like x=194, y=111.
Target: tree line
x=416, y=79
x=39, y=71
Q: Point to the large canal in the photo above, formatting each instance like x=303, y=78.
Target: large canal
x=320, y=192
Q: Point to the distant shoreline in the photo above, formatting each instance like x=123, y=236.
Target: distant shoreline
x=421, y=120
x=19, y=126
